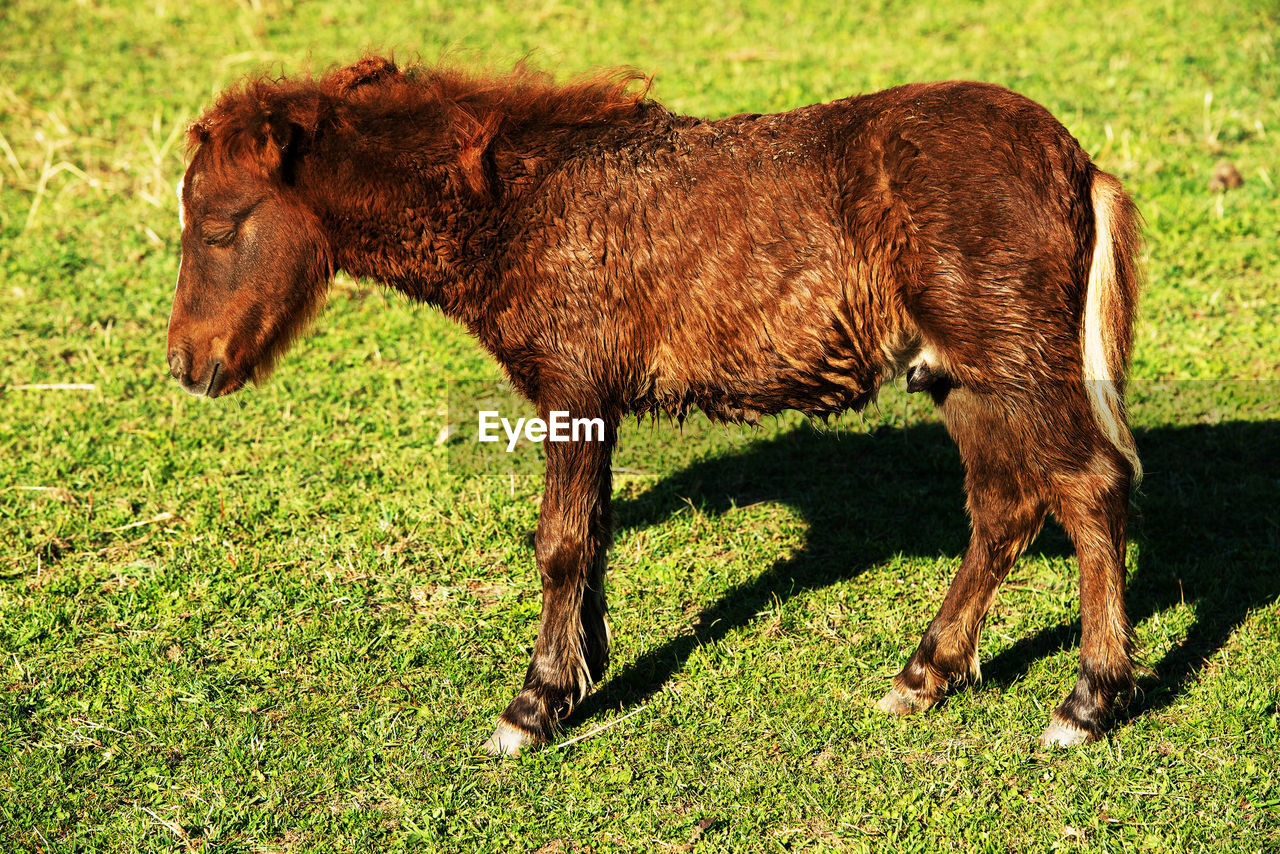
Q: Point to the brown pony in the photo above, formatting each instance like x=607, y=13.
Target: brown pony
x=617, y=258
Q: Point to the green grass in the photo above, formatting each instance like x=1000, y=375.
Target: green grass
x=279, y=623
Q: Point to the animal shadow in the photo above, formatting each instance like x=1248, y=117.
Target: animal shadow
x=1203, y=522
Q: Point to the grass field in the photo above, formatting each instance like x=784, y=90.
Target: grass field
x=280, y=623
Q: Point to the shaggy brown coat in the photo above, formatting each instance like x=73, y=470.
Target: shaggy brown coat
x=617, y=258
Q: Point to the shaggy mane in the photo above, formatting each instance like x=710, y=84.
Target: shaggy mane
x=263, y=116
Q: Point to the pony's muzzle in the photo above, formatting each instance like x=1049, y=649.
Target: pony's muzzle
x=211, y=380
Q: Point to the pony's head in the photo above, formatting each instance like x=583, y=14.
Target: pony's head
x=255, y=261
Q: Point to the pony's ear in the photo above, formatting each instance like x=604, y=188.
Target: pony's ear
x=277, y=146
x=475, y=158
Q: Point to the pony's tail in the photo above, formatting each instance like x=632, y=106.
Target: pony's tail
x=1110, y=303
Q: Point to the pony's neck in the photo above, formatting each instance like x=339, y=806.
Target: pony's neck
x=397, y=220
x=414, y=215
x=421, y=199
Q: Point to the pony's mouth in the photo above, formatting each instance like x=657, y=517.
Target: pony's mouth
x=220, y=381
x=213, y=378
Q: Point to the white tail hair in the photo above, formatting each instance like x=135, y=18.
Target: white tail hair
x=1108, y=313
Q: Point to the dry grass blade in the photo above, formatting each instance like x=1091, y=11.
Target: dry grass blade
x=48, y=171
x=599, y=729
x=55, y=387
x=13, y=161
x=172, y=827
x=161, y=517
x=156, y=185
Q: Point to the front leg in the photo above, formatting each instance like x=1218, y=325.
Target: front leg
x=572, y=649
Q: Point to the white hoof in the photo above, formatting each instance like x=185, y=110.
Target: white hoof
x=1059, y=733
x=897, y=703
x=507, y=740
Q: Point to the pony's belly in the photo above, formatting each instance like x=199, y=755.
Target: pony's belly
x=747, y=390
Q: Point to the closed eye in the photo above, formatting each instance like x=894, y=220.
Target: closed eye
x=220, y=235
x=222, y=232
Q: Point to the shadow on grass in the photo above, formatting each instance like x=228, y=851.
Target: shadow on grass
x=1204, y=522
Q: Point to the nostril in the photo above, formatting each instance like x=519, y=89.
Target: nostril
x=177, y=364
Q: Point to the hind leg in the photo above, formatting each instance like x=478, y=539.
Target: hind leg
x=1092, y=504
x=1006, y=506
